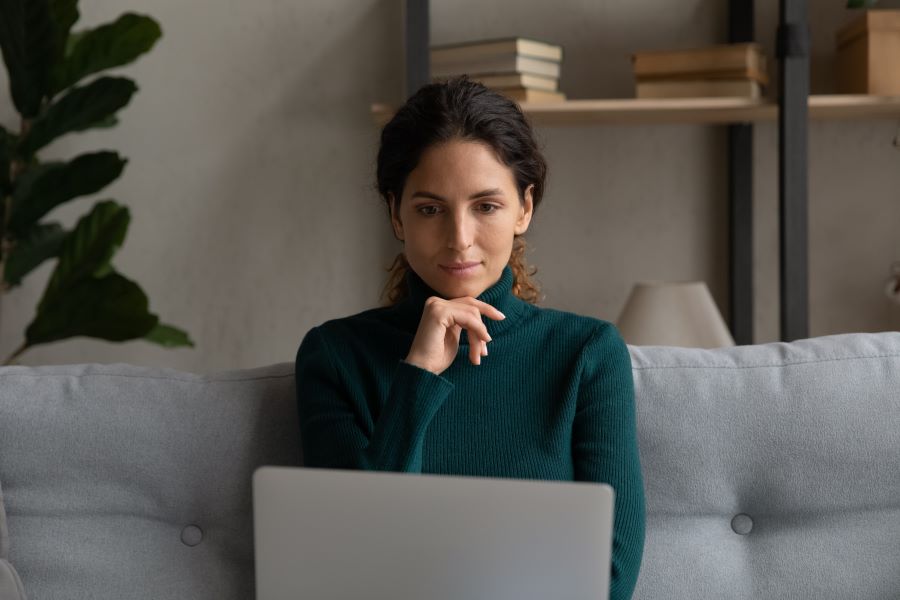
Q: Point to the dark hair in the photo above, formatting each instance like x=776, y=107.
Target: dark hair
x=459, y=108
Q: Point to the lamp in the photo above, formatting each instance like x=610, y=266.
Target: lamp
x=673, y=313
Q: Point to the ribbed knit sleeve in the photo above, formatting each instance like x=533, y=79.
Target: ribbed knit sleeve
x=605, y=449
x=330, y=411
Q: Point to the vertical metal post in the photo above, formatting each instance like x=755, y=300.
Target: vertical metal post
x=740, y=195
x=793, y=55
x=416, y=35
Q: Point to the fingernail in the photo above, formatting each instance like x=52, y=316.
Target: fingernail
x=502, y=316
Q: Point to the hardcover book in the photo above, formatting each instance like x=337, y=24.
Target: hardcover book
x=711, y=59
x=702, y=88
x=476, y=50
x=511, y=63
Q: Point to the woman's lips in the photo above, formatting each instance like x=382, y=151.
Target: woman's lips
x=460, y=269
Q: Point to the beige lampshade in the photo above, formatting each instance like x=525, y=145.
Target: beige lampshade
x=673, y=313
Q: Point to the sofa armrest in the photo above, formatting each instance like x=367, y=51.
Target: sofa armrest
x=10, y=584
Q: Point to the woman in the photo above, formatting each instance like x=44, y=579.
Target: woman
x=462, y=374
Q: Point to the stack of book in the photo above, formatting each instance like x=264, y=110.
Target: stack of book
x=525, y=70
x=721, y=70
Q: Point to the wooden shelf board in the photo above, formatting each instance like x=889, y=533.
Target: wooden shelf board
x=856, y=106
x=690, y=110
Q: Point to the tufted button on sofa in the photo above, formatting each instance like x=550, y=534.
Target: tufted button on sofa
x=742, y=524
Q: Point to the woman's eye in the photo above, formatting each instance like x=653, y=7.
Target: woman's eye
x=428, y=210
x=487, y=208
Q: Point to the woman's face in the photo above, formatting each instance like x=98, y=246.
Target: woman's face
x=457, y=218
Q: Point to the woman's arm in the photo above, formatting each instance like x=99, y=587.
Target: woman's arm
x=330, y=429
x=605, y=449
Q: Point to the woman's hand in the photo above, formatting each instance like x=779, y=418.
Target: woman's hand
x=437, y=339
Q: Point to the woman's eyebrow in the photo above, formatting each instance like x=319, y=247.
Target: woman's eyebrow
x=482, y=194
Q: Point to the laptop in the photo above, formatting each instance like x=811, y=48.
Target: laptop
x=335, y=534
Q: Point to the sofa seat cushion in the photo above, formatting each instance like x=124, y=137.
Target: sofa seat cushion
x=132, y=482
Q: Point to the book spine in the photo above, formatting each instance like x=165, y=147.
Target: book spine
x=695, y=62
x=698, y=89
x=504, y=65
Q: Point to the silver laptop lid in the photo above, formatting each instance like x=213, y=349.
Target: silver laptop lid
x=323, y=534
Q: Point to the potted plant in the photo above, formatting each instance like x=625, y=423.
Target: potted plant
x=49, y=67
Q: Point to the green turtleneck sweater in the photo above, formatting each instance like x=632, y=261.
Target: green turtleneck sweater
x=553, y=400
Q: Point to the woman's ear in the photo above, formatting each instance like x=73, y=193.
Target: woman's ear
x=526, y=209
x=396, y=223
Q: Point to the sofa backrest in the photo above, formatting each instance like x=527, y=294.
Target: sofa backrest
x=771, y=471
x=132, y=482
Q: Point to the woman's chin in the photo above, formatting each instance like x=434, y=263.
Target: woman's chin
x=450, y=288
x=449, y=284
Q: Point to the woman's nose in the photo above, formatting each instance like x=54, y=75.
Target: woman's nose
x=459, y=237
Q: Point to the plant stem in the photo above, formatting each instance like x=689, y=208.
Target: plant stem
x=13, y=356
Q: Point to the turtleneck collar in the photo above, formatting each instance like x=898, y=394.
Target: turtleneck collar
x=499, y=295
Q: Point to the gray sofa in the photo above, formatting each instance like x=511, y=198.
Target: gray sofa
x=771, y=471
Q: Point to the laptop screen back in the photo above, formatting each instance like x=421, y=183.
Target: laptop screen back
x=323, y=534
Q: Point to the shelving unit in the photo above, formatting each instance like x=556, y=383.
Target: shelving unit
x=793, y=109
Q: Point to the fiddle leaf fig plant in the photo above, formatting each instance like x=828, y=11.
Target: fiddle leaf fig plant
x=48, y=66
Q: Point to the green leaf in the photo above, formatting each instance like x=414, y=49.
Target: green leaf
x=112, y=308
x=72, y=41
x=111, y=45
x=41, y=189
x=81, y=108
x=169, y=336
x=65, y=14
x=87, y=251
x=42, y=242
x=28, y=38
x=106, y=123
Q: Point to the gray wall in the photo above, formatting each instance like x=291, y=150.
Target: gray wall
x=252, y=156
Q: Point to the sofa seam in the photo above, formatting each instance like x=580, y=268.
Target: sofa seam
x=780, y=364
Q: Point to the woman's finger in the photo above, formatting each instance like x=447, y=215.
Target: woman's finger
x=476, y=330
x=483, y=307
x=472, y=323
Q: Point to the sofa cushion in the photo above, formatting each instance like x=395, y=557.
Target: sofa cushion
x=132, y=482
x=771, y=471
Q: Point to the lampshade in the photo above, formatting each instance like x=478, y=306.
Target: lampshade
x=673, y=313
